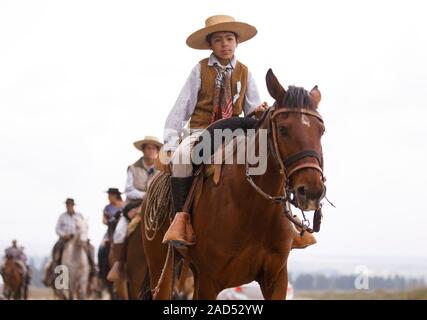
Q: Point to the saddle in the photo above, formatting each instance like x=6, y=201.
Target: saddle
x=133, y=224
x=217, y=148
x=232, y=124
x=134, y=204
x=201, y=171
x=217, y=151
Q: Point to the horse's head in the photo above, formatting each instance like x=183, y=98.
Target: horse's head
x=296, y=131
x=82, y=229
x=11, y=271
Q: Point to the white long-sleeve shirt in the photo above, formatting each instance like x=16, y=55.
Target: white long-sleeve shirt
x=66, y=224
x=13, y=252
x=187, y=100
x=131, y=191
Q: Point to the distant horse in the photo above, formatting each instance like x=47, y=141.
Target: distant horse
x=105, y=261
x=136, y=266
x=14, y=280
x=76, y=260
x=49, y=277
x=242, y=223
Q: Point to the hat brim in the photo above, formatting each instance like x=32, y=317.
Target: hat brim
x=140, y=143
x=114, y=192
x=244, y=31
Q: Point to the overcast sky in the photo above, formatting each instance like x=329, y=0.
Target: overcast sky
x=81, y=80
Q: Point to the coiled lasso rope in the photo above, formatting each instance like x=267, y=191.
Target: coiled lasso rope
x=159, y=205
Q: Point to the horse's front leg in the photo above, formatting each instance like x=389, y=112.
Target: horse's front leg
x=274, y=284
x=81, y=289
x=72, y=289
x=17, y=294
x=205, y=288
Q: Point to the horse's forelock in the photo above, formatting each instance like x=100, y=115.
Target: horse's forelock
x=297, y=97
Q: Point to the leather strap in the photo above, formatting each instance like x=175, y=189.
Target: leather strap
x=297, y=110
x=304, y=166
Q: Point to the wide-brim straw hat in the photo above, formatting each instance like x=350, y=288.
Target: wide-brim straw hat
x=218, y=23
x=147, y=139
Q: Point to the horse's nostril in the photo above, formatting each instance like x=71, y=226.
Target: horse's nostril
x=301, y=191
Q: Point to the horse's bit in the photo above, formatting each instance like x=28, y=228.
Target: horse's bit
x=288, y=197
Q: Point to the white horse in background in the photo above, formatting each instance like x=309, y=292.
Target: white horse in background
x=76, y=260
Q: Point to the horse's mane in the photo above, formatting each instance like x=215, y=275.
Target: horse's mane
x=294, y=97
x=297, y=97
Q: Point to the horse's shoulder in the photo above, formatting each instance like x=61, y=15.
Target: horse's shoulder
x=79, y=216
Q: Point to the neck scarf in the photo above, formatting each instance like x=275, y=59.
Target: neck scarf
x=222, y=102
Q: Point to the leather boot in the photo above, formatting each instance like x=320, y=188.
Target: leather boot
x=117, y=271
x=180, y=232
x=301, y=242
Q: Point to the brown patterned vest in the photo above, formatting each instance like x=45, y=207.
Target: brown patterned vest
x=202, y=114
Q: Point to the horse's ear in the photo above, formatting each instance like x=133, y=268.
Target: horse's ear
x=315, y=95
x=274, y=87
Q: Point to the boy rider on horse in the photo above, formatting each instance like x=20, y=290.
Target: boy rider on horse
x=139, y=176
x=219, y=87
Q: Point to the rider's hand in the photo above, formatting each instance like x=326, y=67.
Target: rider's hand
x=260, y=109
x=164, y=156
x=163, y=160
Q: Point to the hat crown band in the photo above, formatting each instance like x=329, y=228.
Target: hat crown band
x=151, y=138
x=211, y=21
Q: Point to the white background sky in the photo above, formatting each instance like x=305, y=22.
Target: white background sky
x=81, y=80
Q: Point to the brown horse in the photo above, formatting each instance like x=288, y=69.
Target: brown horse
x=105, y=261
x=242, y=233
x=136, y=266
x=13, y=278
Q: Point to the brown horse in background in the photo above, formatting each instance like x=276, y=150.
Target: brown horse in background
x=242, y=234
x=105, y=261
x=14, y=281
x=136, y=266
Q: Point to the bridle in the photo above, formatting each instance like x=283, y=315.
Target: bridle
x=285, y=166
x=287, y=163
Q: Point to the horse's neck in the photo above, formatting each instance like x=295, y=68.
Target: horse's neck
x=73, y=249
x=270, y=182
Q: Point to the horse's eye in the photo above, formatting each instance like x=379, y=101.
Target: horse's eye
x=283, y=131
